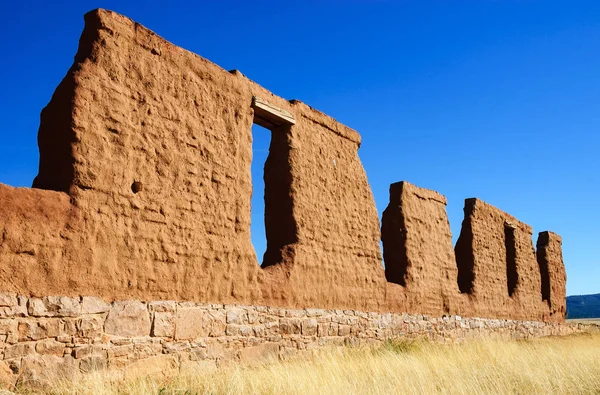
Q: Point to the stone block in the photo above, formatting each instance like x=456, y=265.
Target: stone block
x=83, y=351
x=8, y=300
x=290, y=326
x=90, y=327
x=128, y=319
x=343, y=330
x=19, y=350
x=219, y=351
x=15, y=310
x=9, y=327
x=309, y=327
x=236, y=315
x=50, y=347
x=217, y=322
x=314, y=312
x=54, y=306
x=163, y=324
x=190, y=323
x=7, y=377
x=120, y=351
x=163, y=306
x=92, y=363
x=232, y=330
x=39, y=371
x=32, y=329
x=63, y=306
x=93, y=305
x=146, y=350
x=36, y=307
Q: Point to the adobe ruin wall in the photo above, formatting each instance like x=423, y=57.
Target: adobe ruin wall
x=144, y=189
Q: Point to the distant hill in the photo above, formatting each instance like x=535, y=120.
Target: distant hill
x=583, y=306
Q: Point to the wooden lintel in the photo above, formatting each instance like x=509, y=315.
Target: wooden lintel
x=269, y=116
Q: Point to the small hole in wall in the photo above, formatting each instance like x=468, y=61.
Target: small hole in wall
x=136, y=187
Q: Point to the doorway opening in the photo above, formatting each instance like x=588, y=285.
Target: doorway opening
x=261, y=139
x=273, y=227
x=511, y=258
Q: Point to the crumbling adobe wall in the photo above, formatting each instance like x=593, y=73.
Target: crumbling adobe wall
x=144, y=193
x=497, y=264
x=336, y=256
x=553, y=275
x=492, y=272
x=418, y=252
x=152, y=146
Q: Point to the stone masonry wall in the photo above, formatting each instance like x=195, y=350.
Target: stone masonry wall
x=43, y=339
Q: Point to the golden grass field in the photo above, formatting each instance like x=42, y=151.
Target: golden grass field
x=567, y=365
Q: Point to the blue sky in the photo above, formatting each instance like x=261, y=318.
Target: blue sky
x=493, y=99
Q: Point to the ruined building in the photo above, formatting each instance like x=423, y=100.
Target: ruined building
x=144, y=191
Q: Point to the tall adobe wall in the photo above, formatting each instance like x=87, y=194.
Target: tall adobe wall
x=492, y=272
x=418, y=252
x=152, y=145
x=144, y=193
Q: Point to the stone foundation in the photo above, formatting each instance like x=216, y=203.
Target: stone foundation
x=57, y=336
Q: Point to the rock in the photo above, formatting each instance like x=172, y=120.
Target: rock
x=309, y=327
x=39, y=371
x=90, y=327
x=236, y=316
x=163, y=324
x=50, y=347
x=38, y=329
x=9, y=327
x=128, y=319
x=93, y=305
x=93, y=363
x=82, y=351
x=8, y=300
x=217, y=323
x=18, y=310
x=290, y=326
x=343, y=330
x=7, y=377
x=19, y=350
x=63, y=306
x=54, y=306
x=162, y=306
x=36, y=307
x=190, y=323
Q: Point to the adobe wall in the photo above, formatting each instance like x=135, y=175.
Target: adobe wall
x=552, y=270
x=136, y=109
x=484, y=253
x=418, y=252
x=144, y=193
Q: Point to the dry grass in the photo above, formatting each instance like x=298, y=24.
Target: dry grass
x=585, y=321
x=569, y=365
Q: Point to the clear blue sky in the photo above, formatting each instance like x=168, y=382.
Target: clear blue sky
x=494, y=99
